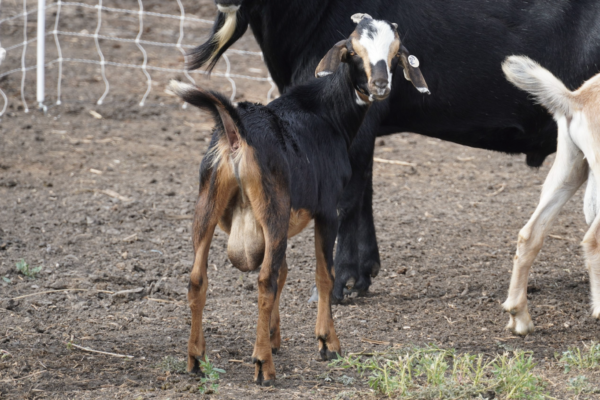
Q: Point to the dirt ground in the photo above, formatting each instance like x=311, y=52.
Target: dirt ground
x=104, y=206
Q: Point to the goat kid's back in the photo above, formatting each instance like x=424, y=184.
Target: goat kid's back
x=577, y=112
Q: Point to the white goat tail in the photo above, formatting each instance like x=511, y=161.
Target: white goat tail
x=547, y=89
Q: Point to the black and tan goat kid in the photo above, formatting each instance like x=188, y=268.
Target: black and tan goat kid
x=577, y=115
x=271, y=169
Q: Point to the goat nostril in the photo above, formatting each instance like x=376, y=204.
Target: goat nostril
x=380, y=83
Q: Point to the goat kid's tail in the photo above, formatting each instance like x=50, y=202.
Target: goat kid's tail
x=547, y=89
x=223, y=112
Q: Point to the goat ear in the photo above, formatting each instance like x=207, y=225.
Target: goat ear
x=412, y=72
x=356, y=18
x=332, y=59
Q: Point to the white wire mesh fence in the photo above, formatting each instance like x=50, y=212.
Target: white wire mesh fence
x=137, y=44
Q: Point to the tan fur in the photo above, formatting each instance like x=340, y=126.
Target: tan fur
x=225, y=33
x=324, y=329
x=362, y=53
x=394, y=49
x=204, y=227
x=298, y=221
x=578, y=153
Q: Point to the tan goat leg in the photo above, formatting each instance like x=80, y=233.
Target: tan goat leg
x=567, y=174
x=329, y=344
x=209, y=208
x=275, y=330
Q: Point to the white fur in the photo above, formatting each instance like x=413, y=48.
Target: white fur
x=178, y=88
x=223, y=35
x=577, y=159
x=590, y=201
x=356, y=18
x=548, y=90
x=378, y=47
x=228, y=9
x=360, y=101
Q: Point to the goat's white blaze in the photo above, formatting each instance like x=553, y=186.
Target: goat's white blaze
x=378, y=43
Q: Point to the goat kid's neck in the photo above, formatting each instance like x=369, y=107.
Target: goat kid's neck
x=345, y=106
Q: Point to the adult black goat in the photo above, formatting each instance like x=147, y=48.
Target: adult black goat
x=270, y=169
x=462, y=45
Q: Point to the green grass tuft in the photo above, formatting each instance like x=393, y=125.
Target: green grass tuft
x=433, y=373
x=26, y=270
x=575, y=358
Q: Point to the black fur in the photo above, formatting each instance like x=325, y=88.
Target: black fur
x=304, y=134
x=460, y=45
x=201, y=55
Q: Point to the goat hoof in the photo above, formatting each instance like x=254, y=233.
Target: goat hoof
x=520, y=325
x=375, y=268
x=362, y=285
x=196, y=370
x=327, y=355
x=263, y=369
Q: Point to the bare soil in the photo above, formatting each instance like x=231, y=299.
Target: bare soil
x=104, y=206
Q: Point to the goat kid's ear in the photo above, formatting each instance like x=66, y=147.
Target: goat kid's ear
x=356, y=18
x=332, y=59
x=412, y=72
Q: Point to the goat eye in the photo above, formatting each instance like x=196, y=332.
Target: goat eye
x=352, y=53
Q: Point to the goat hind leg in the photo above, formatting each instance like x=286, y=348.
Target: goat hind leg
x=567, y=174
x=264, y=370
x=591, y=247
x=275, y=330
x=209, y=208
x=197, y=299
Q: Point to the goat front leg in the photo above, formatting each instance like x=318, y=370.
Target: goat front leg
x=325, y=232
x=567, y=174
x=275, y=330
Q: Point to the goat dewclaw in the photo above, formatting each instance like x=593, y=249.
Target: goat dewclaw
x=270, y=169
x=577, y=116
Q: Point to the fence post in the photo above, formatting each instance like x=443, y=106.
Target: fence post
x=41, y=49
